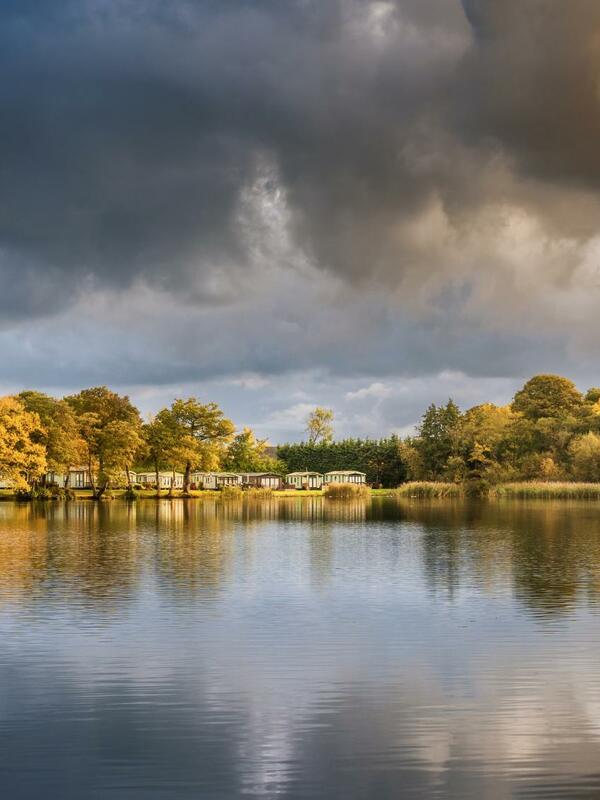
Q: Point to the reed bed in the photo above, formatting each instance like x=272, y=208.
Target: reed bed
x=429, y=489
x=231, y=493
x=258, y=493
x=346, y=491
x=560, y=490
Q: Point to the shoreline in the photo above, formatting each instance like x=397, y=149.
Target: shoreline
x=417, y=490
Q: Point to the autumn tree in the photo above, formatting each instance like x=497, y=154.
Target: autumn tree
x=110, y=427
x=546, y=396
x=319, y=425
x=585, y=453
x=203, y=431
x=490, y=428
x=59, y=433
x=246, y=453
x=161, y=436
x=22, y=455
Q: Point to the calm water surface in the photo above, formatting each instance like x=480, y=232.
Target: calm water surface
x=300, y=648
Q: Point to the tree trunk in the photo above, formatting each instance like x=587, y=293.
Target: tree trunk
x=129, y=486
x=187, y=478
x=157, y=474
x=170, y=494
x=92, y=481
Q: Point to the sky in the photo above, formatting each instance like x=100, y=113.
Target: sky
x=273, y=205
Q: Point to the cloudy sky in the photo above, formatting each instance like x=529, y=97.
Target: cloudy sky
x=274, y=204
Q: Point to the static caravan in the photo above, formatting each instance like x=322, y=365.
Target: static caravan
x=345, y=476
x=148, y=479
x=305, y=480
x=4, y=483
x=217, y=480
x=199, y=480
x=262, y=480
x=77, y=478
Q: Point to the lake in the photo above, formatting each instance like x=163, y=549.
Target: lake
x=300, y=648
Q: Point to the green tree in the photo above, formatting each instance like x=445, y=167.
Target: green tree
x=246, y=453
x=592, y=396
x=22, y=456
x=439, y=438
x=386, y=466
x=319, y=425
x=204, y=431
x=110, y=427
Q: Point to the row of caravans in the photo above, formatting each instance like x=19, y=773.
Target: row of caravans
x=80, y=479
x=259, y=480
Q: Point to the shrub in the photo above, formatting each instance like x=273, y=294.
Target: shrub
x=35, y=493
x=346, y=491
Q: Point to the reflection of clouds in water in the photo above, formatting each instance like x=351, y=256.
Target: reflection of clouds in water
x=264, y=651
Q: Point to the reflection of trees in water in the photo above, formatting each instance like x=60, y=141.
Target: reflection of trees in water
x=91, y=547
x=547, y=552
x=194, y=546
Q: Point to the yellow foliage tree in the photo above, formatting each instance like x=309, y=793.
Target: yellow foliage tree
x=22, y=458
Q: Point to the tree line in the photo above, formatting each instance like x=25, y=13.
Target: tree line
x=550, y=431
x=104, y=432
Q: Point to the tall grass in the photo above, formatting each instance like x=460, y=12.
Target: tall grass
x=433, y=489
x=560, y=490
x=231, y=493
x=258, y=492
x=346, y=491
x=523, y=490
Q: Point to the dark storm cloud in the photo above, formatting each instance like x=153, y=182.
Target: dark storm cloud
x=129, y=130
x=443, y=154
x=534, y=76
